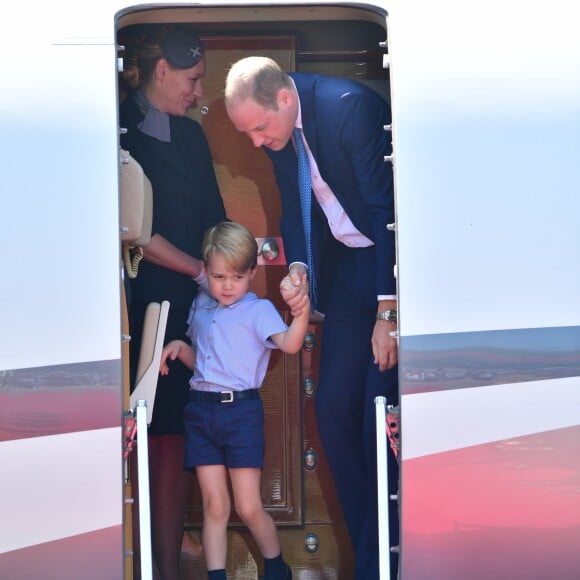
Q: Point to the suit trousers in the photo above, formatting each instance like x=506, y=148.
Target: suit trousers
x=345, y=409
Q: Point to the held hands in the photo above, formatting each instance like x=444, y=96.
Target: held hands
x=294, y=291
x=298, y=274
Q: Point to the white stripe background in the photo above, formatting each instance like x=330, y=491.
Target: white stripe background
x=64, y=485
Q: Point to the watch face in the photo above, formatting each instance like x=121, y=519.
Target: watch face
x=389, y=315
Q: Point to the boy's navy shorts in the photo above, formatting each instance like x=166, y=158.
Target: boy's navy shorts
x=230, y=434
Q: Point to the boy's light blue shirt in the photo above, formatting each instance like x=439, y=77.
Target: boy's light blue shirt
x=232, y=343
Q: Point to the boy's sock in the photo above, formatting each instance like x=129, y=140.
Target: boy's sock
x=216, y=574
x=277, y=568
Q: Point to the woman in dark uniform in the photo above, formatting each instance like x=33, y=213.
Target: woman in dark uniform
x=164, y=75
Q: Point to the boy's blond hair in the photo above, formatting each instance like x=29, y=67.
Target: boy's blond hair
x=234, y=243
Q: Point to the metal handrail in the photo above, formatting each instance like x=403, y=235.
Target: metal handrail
x=383, y=488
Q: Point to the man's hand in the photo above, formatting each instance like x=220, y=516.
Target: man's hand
x=295, y=295
x=298, y=274
x=385, y=347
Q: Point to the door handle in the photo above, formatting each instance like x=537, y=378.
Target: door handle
x=271, y=251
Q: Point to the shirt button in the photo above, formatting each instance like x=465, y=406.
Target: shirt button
x=208, y=357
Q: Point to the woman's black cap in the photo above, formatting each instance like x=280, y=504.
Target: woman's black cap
x=182, y=48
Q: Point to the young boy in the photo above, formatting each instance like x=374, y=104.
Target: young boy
x=233, y=332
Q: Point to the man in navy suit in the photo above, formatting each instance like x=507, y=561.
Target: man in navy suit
x=342, y=124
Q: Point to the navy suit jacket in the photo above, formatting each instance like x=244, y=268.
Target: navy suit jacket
x=343, y=122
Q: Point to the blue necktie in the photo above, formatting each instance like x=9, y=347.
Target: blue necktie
x=305, y=187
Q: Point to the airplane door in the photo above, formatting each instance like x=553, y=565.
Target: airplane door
x=297, y=487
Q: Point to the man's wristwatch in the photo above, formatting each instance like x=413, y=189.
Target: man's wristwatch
x=388, y=315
